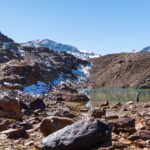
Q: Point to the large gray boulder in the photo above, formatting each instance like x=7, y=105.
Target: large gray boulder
x=83, y=135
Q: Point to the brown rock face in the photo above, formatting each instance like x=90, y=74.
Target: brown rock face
x=16, y=133
x=21, y=72
x=72, y=97
x=4, y=124
x=10, y=108
x=121, y=70
x=143, y=135
x=124, y=125
x=52, y=124
x=97, y=113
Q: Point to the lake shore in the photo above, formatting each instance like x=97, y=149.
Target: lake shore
x=129, y=122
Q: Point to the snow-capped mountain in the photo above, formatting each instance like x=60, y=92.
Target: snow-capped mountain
x=146, y=49
x=52, y=45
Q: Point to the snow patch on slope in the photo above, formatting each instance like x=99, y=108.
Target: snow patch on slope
x=38, y=88
x=41, y=87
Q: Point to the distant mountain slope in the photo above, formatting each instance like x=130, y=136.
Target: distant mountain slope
x=146, y=49
x=121, y=70
x=52, y=45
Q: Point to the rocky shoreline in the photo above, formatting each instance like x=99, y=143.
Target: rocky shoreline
x=41, y=122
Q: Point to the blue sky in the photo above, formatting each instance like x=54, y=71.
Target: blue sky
x=103, y=26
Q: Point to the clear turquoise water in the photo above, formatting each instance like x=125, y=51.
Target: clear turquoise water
x=114, y=95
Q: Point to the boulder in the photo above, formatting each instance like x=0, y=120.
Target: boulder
x=21, y=72
x=97, y=112
x=54, y=123
x=110, y=115
x=4, y=124
x=65, y=113
x=142, y=134
x=10, y=108
x=72, y=97
x=37, y=104
x=84, y=134
x=16, y=133
x=126, y=125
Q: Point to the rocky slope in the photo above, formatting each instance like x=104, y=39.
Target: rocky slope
x=37, y=70
x=121, y=70
x=52, y=45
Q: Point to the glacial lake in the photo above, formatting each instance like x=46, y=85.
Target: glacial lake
x=113, y=95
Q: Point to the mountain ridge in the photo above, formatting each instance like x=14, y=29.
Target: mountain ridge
x=52, y=45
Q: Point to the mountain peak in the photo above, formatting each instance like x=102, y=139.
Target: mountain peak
x=146, y=49
x=52, y=45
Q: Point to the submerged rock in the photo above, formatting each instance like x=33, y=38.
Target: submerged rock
x=85, y=134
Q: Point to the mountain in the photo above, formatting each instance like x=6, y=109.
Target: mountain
x=146, y=49
x=38, y=69
x=52, y=45
x=121, y=70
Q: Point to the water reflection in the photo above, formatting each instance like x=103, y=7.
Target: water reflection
x=114, y=95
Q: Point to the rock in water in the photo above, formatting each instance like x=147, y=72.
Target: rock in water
x=83, y=135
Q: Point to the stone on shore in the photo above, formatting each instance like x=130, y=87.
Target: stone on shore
x=16, y=133
x=126, y=125
x=84, y=134
x=10, y=108
x=71, y=97
x=142, y=134
x=54, y=123
x=97, y=112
